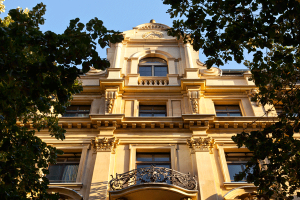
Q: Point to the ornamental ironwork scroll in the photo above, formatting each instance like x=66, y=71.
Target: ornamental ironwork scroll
x=153, y=175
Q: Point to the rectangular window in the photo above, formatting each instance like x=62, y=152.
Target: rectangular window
x=228, y=110
x=152, y=70
x=236, y=162
x=152, y=111
x=77, y=111
x=66, y=169
x=156, y=159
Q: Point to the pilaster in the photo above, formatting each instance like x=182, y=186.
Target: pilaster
x=202, y=150
x=104, y=149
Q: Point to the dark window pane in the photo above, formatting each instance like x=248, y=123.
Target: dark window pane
x=70, y=115
x=72, y=108
x=233, y=108
x=159, y=114
x=235, y=114
x=84, y=108
x=146, y=108
x=152, y=111
x=160, y=71
x=143, y=157
x=159, y=107
x=138, y=166
x=145, y=70
x=162, y=157
x=234, y=169
x=220, y=108
x=55, y=172
x=222, y=115
x=145, y=115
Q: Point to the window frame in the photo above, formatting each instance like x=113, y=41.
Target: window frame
x=228, y=111
x=224, y=165
x=77, y=111
x=64, y=164
x=153, y=111
x=242, y=161
x=171, y=148
x=153, y=162
x=153, y=66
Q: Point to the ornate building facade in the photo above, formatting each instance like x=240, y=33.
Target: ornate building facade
x=156, y=125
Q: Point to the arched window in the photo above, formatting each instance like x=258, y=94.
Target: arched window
x=152, y=66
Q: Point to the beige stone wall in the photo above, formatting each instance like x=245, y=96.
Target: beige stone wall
x=189, y=94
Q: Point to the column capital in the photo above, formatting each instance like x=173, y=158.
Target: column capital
x=105, y=144
x=201, y=144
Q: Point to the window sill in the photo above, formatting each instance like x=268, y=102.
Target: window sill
x=232, y=185
x=74, y=186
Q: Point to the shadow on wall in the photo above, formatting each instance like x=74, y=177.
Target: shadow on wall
x=99, y=190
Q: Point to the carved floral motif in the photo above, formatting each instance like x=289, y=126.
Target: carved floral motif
x=201, y=144
x=105, y=144
x=152, y=35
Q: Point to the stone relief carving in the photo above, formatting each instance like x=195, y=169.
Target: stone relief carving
x=153, y=35
x=194, y=97
x=105, y=144
x=201, y=144
x=110, y=97
x=152, y=26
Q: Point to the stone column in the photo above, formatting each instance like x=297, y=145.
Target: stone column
x=117, y=55
x=202, y=148
x=188, y=56
x=103, y=148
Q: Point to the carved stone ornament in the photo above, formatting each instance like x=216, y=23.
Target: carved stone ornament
x=153, y=35
x=110, y=97
x=194, y=97
x=105, y=144
x=152, y=26
x=252, y=93
x=201, y=144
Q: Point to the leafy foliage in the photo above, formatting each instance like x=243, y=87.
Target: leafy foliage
x=37, y=80
x=227, y=30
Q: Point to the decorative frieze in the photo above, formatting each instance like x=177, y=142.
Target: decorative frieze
x=153, y=35
x=201, y=144
x=105, y=144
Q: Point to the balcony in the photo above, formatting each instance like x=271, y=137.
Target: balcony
x=153, y=183
x=153, y=81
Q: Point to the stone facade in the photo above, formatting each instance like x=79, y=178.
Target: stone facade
x=183, y=119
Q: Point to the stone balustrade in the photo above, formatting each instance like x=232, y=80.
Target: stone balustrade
x=153, y=82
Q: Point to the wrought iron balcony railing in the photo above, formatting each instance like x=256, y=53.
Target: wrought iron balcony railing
x=153, y=175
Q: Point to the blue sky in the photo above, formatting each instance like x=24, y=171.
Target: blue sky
x=116, y=14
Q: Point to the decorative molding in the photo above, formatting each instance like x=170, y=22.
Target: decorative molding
x=201, y=144
x=153, y=35
x=110, y=97
x=148, y=26
x=105, y=144
x=194, y=97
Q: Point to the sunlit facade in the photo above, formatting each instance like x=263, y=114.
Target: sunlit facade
x=156, y=125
